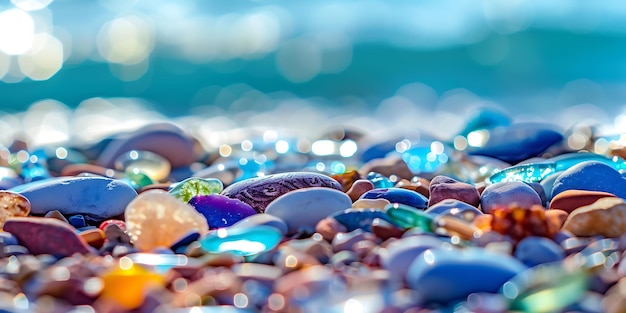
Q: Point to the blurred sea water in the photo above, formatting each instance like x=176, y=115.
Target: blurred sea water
x=309, y=65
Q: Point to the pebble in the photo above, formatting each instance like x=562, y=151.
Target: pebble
x=398, y=195
x=157, y=219
x=519, y=141
x=399, y=254
x=435, y=274
x=358, y=188
x=570, y=200
x=97, y=198
x=221, y=211
x=42, y=235
x=241, y=241
x=262, y=219
x=304, y=208
x=507, y=193
x=362, y=219
x=12, y=205
x=592, y=176
x=443, y=187
x=259, y=192
x=194, y=186
x=606, y=217
x=534, y=250
x=454, y=208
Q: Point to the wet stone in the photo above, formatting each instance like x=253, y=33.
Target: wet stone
x=606, y=217
x=570, y=200
x=533, y=251
x=362, y=219
x=46, y=236
x=508, y=193
x=195, y=186
x=12, y=205
x=592, y=176
x=241, y=241
x=443, y=187
x=454, y=208
x=398, y=195
x=221, y=211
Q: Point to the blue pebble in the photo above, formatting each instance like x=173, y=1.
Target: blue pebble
x=454, y=208
x=593, y=176
x=519, y=142
x=534, y=250
x=78, y=221
x=9, y=182
x=442, y=276
x=354, y=219
x=398, y=195
x=186, y=240
x=8, y=239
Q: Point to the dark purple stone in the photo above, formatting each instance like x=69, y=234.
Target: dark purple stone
x=221, y=211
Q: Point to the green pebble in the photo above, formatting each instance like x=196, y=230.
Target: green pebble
x=194, y=186
x=409, y=217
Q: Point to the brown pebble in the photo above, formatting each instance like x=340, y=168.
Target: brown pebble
x=329, y=227
x=46, y=236
x=606, y=217
x=388, y=166
x=379, y=203
x=483, y=222
x=94, y=237
x=556, y=218
x=12, y=204
x=385, y=230
x=359, y=187
x=571, y=200
x=418, y=184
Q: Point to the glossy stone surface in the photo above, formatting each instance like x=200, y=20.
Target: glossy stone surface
x=519, y=223
x=42, y=235
x=157, y=219
x=409, y=217
x=304, y=208
x=519, y=141
x=454, y=208
x=570, y=200
x=593, y=176
x=164, y=139
x=606, y=217
x=262, y=219
x=153, y=165
x=435, y=274
x=241, y=241
x=12, y=205
x=354, y=219
x=533, y=251
x=401, y=253
x=97, y=198
x=508, y=193
x=195, y=186
x=221, y=211
x=398, y=195
x=443, y=187
x=259, y=192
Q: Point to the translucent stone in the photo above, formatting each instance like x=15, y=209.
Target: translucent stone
x=409, y=217
x=127, y=284
x=157, y=219
x=194, y=186
x=545, y=288
x=536, y=172
x=34, y=171
x=149, y=163
x=12, y=205
x=241, y=241
x=423, y=159
x=379, y=180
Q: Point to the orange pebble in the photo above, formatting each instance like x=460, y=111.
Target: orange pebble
x=483, y=222
x=556, y=218
x=94, y=237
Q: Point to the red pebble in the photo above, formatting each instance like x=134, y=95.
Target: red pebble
x=106, y=223
x=42, y=235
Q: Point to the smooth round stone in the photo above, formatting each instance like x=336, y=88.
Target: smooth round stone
x=507, y=193
x=195, y=186
x=400, y=254
x=485, y=118
x=519, y=141
x=443, y=187
x=94, y=237
x=96, y=198
x=241, y=241
x=185, y=240
x=538, y=250
x=358, y=188
x=9, y=182
x=354, y=219
x=606, y=217
x=445, y=276
x=454, y=208
x=221, y=211
x=42, y=235
x=78, y=221
x=157, y=219
x=304, y=208
x=7, y=239
x=262, y=219
x=538, y=188
x=570, y=200
x=370, y=203
x=164, y=139
x=398, y=195
x=259, y=192
x=12, y=205
x=593, y=176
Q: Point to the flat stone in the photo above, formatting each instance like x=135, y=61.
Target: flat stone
x=606, y=217
x=156, y=219
x=42, y=235
x=443, y=187
x=97, y=198
x=505, y=194
x=570, y=200
x=304, y=208
x=260, y=191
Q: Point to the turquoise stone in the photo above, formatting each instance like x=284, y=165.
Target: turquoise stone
x=34, y=172
x=545, y=288
x=194, y=186
x=161, y=263
x=422, y=159
x=536, y=172
x=137, y=179
x=409, y=217
x=241, y=241
x=379, y=180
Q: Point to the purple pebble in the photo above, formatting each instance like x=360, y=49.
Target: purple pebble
x=221, y=211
